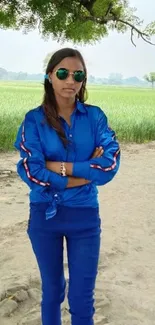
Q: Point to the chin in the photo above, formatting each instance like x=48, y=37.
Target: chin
x=68, y=95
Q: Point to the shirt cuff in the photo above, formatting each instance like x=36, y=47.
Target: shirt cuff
x=81, y=169
x=59, y=182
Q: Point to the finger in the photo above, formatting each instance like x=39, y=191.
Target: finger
x=100, y=152
x=96, y=150
x=94, y=155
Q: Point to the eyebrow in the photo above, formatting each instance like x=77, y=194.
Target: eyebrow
x=69, y=69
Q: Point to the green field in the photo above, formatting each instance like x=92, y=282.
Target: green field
x=131, y=111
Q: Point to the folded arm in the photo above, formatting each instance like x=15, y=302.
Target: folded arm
x=32, y=166
x=101, y=169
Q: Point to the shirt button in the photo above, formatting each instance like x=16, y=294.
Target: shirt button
x=55, y=195
x=70, y=135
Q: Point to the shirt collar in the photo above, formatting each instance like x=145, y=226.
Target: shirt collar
x=80, y=107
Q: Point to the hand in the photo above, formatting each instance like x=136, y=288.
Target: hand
x=98, y=152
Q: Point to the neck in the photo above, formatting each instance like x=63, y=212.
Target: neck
x=65, y=105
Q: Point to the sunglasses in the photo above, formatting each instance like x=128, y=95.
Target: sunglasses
x=63, y=74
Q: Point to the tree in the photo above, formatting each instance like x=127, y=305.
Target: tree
x=3, y=74
x=85, y=21
x=115, y=78
x=46, y=60
x=150, y=78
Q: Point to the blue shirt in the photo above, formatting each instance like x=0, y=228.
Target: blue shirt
x=38, y=142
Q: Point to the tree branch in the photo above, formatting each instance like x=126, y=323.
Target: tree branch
x=132, y=29
x=88, y=4
x=109, y=9
x=104, y=20
x=139, y=32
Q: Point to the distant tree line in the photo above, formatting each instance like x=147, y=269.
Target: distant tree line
x=113, y=78
x=9, y=75
x=117, y=79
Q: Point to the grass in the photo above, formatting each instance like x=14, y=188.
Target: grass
x=131, y=111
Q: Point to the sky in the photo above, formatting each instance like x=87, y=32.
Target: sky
x=113, y=54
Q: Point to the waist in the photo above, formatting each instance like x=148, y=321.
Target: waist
x=83, y=196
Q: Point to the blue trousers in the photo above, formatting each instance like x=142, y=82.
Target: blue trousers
x=81, y=229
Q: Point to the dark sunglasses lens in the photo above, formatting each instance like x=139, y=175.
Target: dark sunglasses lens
x=62, y=74
x=79, y=76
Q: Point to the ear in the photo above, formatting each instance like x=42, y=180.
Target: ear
x=50, y=77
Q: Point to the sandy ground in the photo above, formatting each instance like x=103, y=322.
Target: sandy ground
x=125, y=290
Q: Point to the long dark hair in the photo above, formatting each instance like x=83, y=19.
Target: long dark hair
x=49, y=100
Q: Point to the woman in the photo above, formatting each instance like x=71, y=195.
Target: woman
x=67, y=149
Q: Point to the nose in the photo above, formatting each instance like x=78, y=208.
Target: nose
x=70, y=79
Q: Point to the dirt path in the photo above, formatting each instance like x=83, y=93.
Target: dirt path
x=125, y=290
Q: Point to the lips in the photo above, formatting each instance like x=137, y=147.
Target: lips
x=70, y=89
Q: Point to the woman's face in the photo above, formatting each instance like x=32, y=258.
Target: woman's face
x=69, y=87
